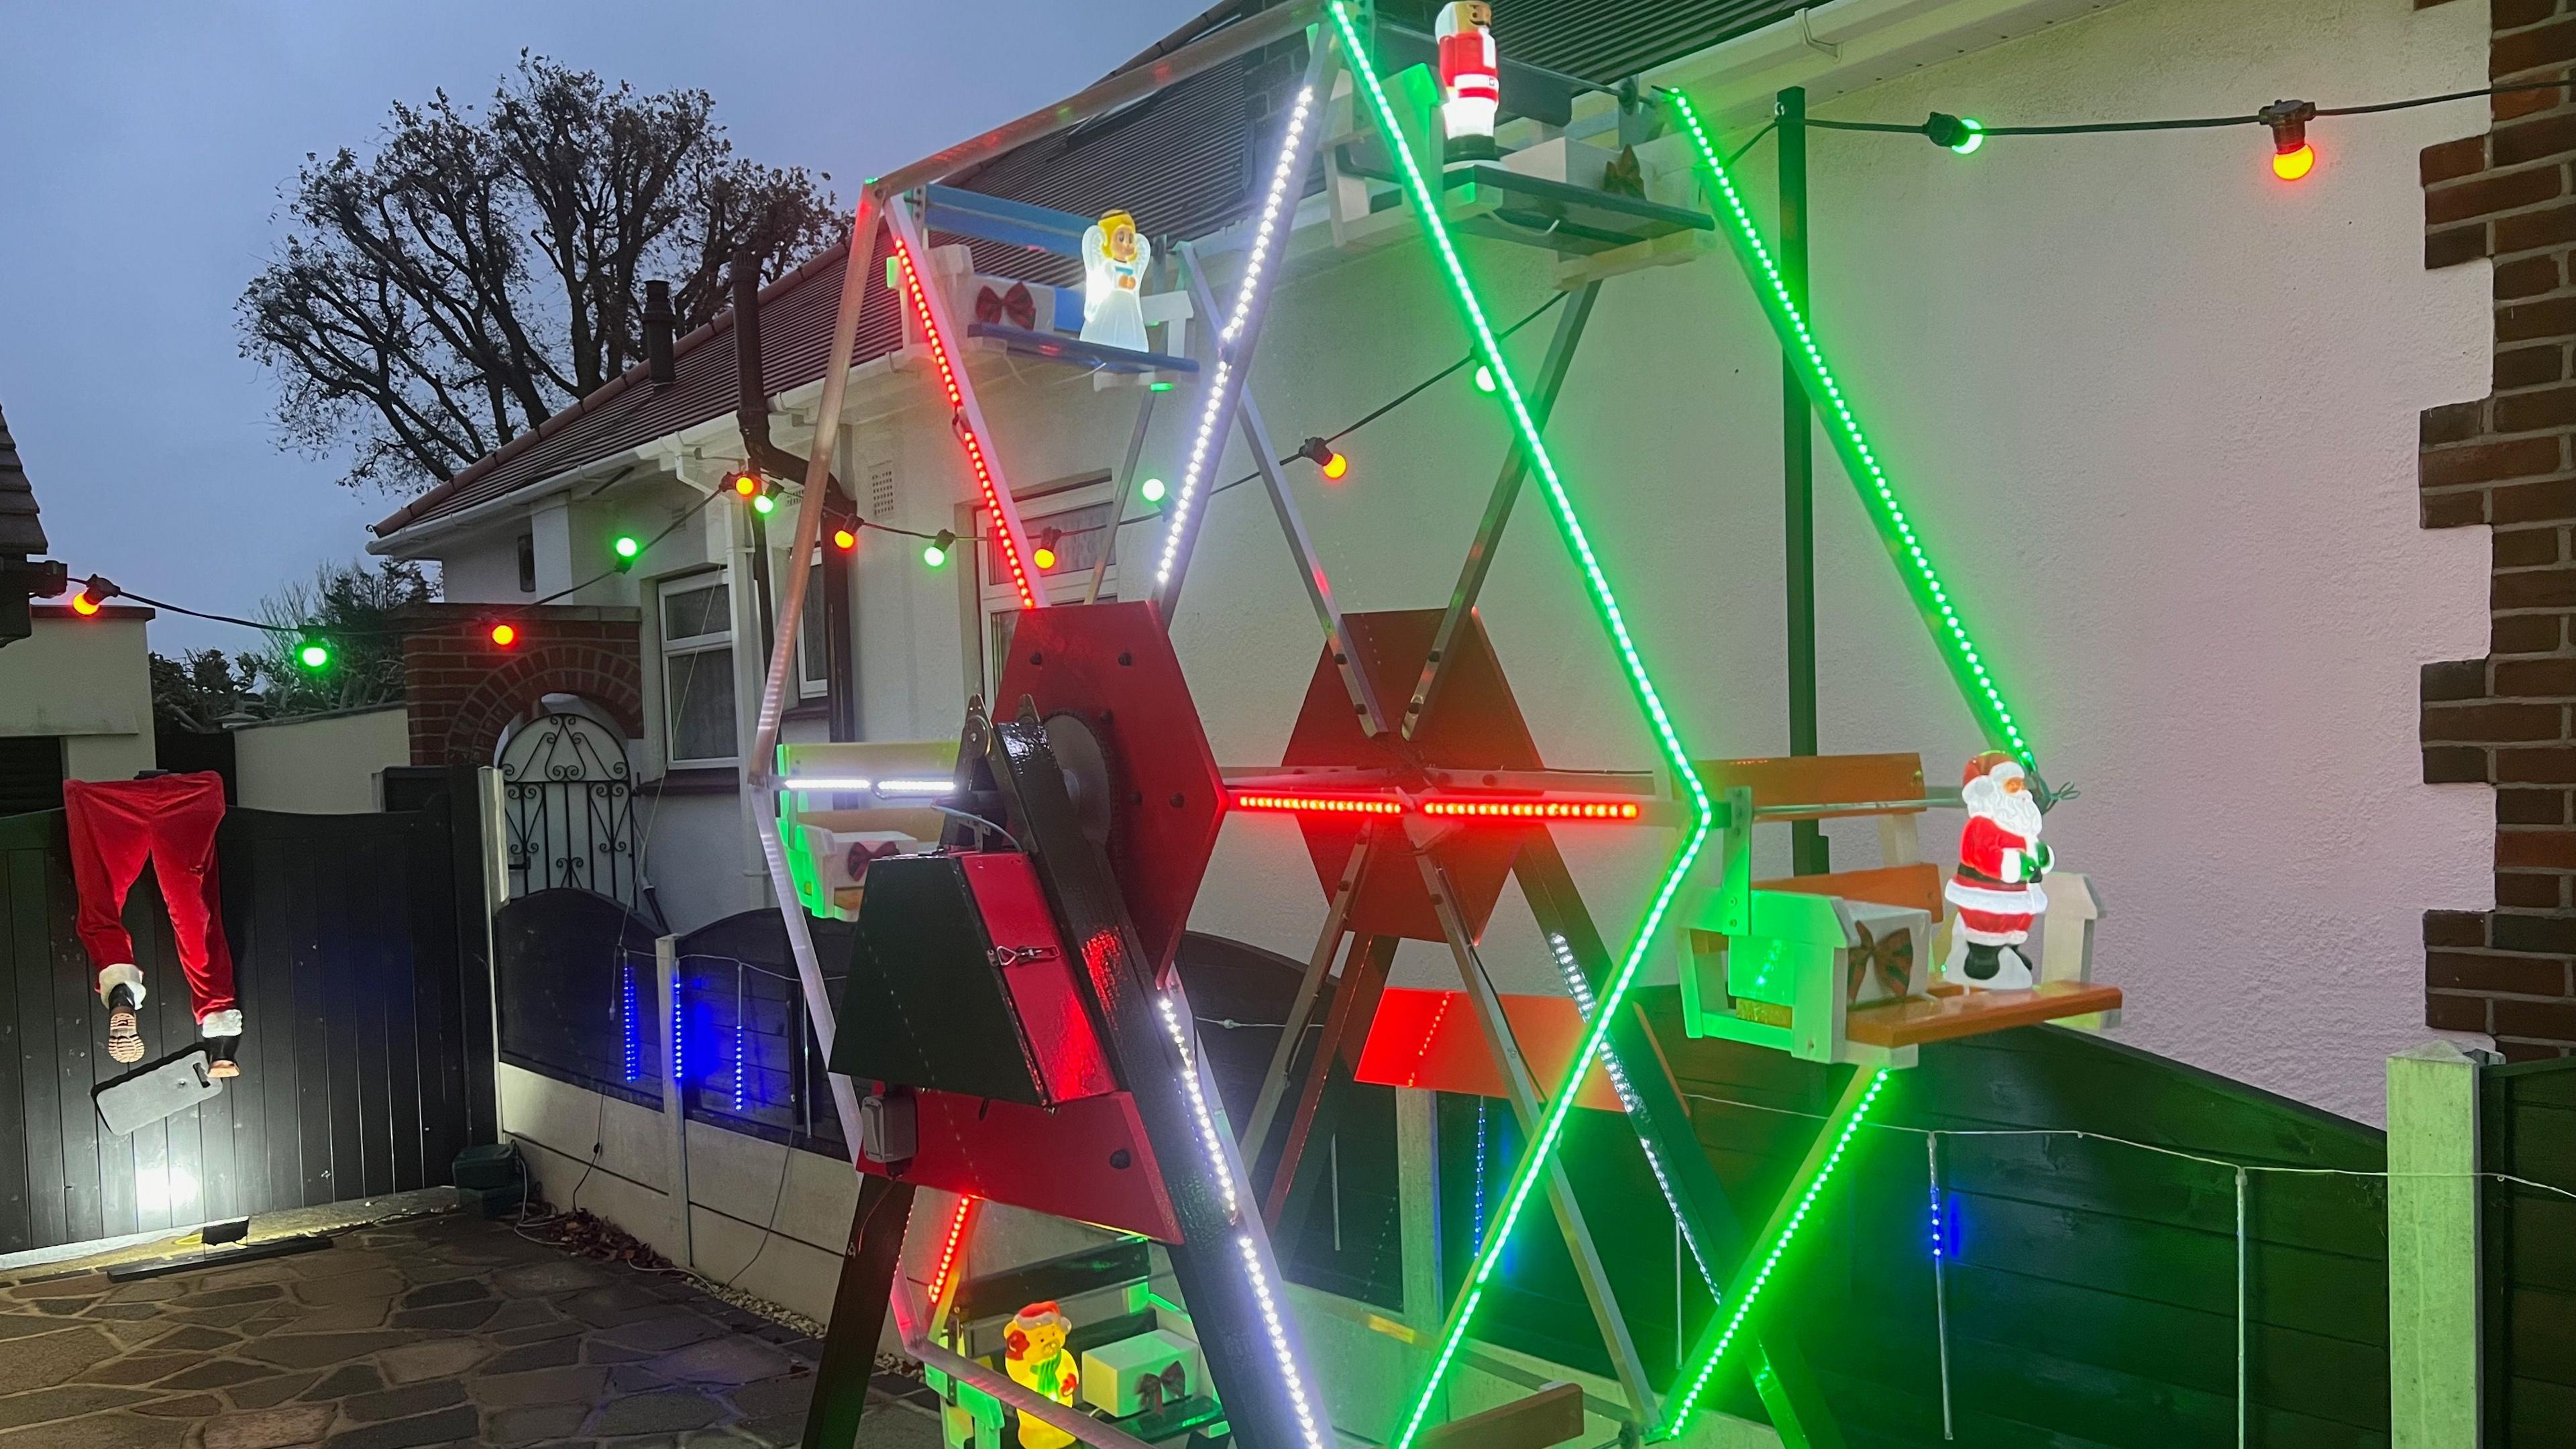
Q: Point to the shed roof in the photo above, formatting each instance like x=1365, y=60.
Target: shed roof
x=20, y=532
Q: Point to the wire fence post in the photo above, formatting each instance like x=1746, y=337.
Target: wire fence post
x=1940, y=1276
x=2244, y=1402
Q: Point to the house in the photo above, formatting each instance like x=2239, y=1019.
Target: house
x=2205, y=453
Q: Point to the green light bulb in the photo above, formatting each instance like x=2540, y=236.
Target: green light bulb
x=1976, y=136
x=313, y=654
x=763, y=503
x=1152, y=490
x=933, y=555
x=1484, y=378
x=627, y=546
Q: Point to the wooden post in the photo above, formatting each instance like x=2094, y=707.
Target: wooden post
x=2433, y=1323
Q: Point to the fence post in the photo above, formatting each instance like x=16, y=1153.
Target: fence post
x=491, y=811
x=675, y=1113
x=2433, y=1321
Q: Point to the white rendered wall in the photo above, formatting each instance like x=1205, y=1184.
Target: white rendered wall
x=2153, y=410
x=87, y=681
x=323, y=765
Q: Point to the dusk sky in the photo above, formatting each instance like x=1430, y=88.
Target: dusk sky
x=142, y=152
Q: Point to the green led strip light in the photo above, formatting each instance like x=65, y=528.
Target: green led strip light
x=1426, y=206
x=1748, y=1289
x=1860, y=461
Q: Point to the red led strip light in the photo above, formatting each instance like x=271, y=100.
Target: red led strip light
x=1320, y=804
x=1529, y=810
x=965, y=432
x=1444, y=809
x=948, y=1251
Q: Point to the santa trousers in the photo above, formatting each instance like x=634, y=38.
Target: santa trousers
x=169, y=819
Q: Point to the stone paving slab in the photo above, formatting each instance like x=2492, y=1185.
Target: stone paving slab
x=429, y=1331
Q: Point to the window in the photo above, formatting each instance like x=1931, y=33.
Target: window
x=31, y=773
x=527, y=563
x=697, y=669
x=813, y=653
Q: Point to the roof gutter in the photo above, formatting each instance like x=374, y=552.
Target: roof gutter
x=1848, y=45
x=413, y=540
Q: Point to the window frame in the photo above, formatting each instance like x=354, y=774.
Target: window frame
x=670, y=648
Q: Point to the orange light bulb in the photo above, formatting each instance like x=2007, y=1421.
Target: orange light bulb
x=1336, y=466
x=83, y=604
x=746, y=484
x=2291, y=165
x=505, y=635
x=844, y=540
x=1044, y=558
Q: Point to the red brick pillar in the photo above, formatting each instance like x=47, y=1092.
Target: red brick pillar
x=463, y=690
x=2509, y=719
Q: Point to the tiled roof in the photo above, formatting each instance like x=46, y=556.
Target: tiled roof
x=20, y=534
x=1178, y=160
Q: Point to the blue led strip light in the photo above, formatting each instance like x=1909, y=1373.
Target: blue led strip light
x=1426, y=201
x=1860, y=461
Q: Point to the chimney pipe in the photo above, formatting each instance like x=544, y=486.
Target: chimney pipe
x=658, y=322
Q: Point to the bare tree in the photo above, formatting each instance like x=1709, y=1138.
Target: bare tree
x=485, y=267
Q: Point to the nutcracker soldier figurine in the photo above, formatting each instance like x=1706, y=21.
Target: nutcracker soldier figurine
x=1471, y=81
x=1996, y=887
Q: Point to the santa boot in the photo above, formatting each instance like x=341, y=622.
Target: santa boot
x=1984, y=964
x=2014, y=973
x=121, y=987
x=222, y=1033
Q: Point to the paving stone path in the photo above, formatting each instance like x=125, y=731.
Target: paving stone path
x=440, y=1330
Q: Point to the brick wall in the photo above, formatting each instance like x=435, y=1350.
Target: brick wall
x=463, y=690
x=2509, y=719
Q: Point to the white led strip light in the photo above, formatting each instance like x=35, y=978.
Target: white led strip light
x=1199, y=1107
x=1582, y=989
x=1221, y=382
x=1222, y=1167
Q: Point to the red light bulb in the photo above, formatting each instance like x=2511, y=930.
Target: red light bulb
x=505, y=635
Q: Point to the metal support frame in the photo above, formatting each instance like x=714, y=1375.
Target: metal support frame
x=1292, y=524
x=1355, y=1001
x=1328, y=943
x=1498, y=508
x=1808, y=848
x=1232, y=342
x=1522, y=1085
x=1126, y=491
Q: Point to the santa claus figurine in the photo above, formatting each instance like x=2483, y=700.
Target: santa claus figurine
x=1996, y=886
x=1471, y=80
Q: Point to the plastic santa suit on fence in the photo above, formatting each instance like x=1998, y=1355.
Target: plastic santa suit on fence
x=1114, y=258
x=115, y=827
x=1996, y=886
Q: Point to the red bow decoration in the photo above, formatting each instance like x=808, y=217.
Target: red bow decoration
x=1016, y=305
x=1892, y=958
x=1165, y=1389
x=1623, y=176
x=862, y=855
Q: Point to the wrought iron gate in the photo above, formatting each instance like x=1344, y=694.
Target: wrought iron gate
x=568, y=803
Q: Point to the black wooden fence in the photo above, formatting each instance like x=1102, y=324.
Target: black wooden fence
x=366, y=1066
x=2527, y=1114
x=2091, y=1286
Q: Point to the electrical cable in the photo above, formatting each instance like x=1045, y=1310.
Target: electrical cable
x=2192, y=123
